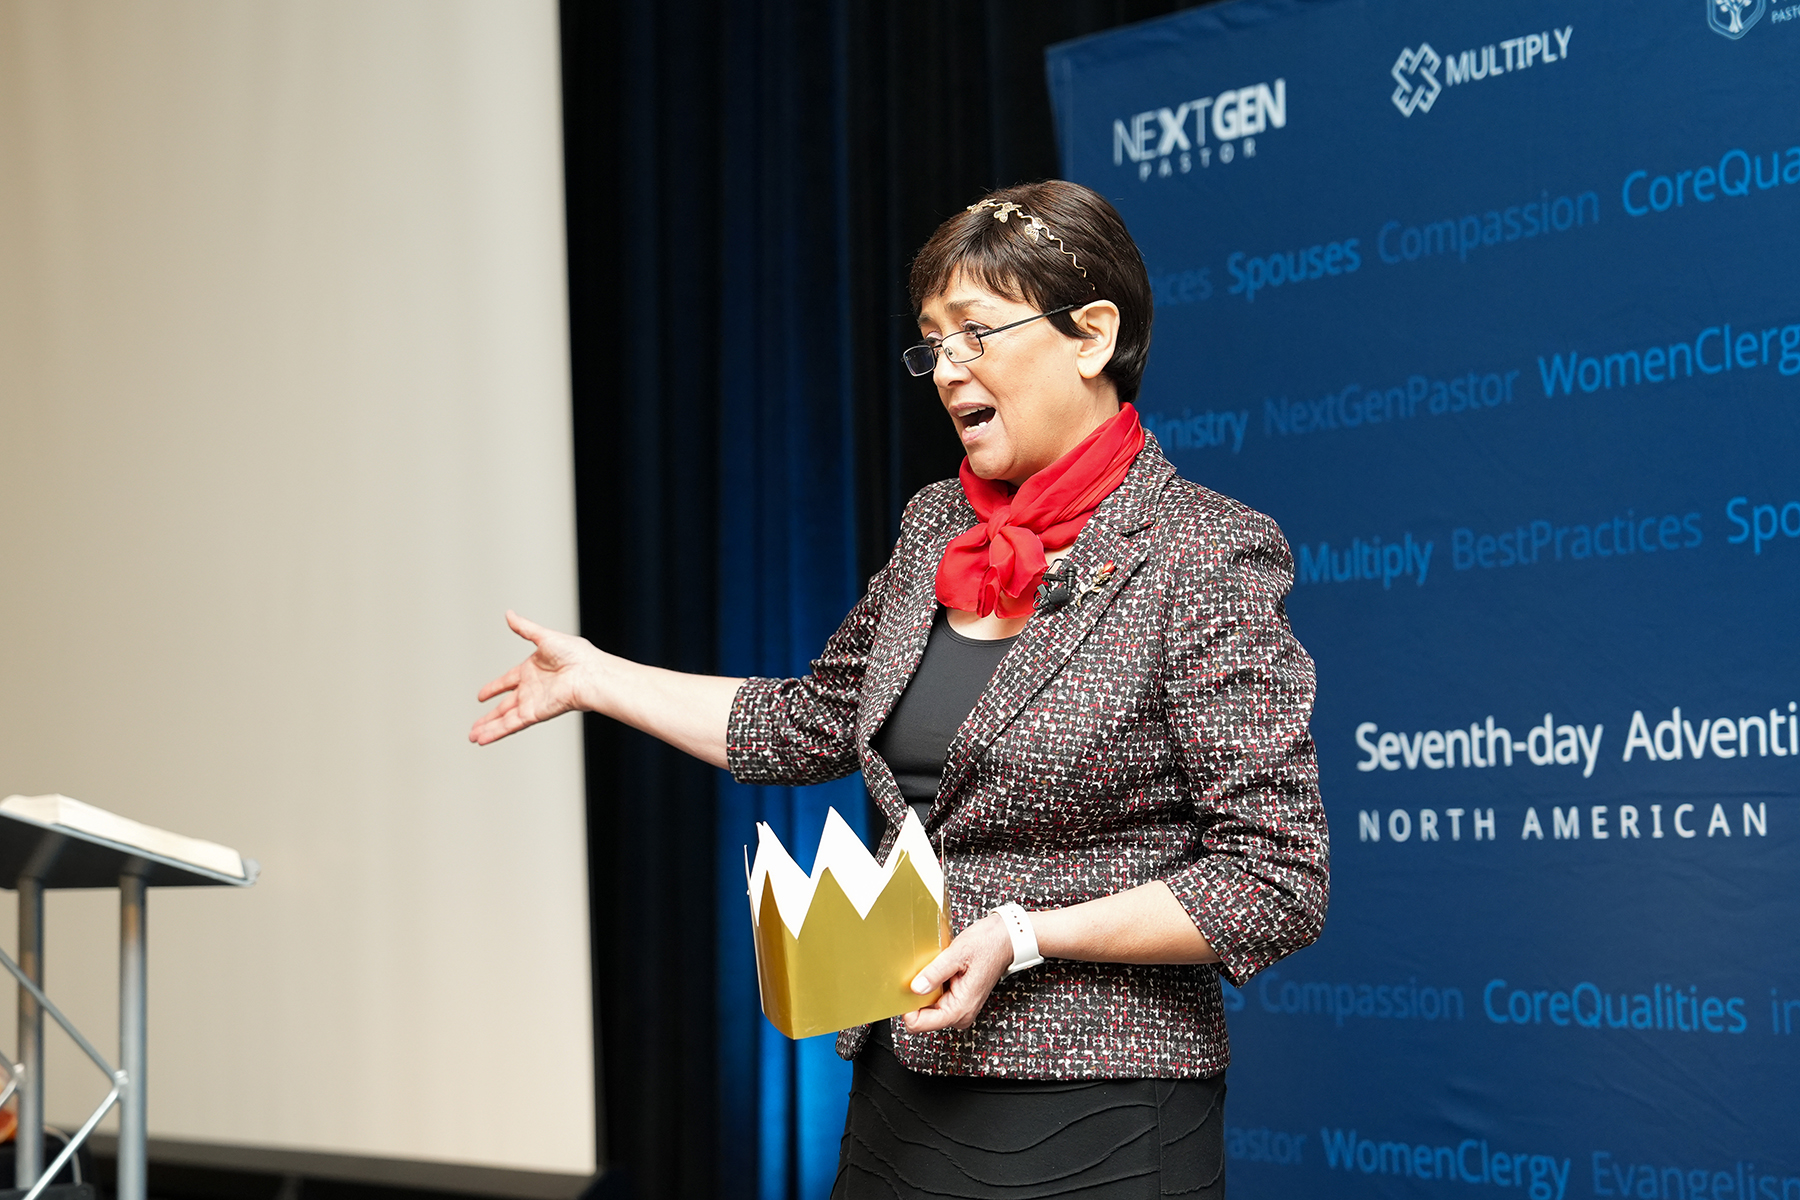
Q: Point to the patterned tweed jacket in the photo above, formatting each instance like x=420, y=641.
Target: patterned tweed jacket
x=1156, y=729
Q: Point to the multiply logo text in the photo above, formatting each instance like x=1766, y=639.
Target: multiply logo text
x=1416, y=71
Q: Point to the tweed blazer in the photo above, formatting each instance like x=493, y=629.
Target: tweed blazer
x=1154, y=729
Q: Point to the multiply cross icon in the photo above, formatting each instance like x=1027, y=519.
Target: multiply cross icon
x=1416, y=95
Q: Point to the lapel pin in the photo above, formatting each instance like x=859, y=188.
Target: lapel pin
x=1099, y=580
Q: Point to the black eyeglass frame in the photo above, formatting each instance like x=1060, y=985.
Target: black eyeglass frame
x=911, y=354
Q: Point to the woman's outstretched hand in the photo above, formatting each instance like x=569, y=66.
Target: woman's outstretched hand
x=548, y=684
x=968, y=969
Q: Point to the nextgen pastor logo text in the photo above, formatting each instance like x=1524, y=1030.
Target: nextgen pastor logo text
x=1169, y=141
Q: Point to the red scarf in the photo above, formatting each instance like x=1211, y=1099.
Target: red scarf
x=996, y=567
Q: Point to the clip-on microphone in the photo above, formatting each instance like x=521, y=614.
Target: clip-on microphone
x=1061, y=582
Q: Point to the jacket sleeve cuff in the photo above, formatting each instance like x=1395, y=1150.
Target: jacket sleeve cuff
x=778, y=734
x=749, y=751
x=1250, y=923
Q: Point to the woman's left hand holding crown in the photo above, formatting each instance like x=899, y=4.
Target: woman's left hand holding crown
x=968, y=969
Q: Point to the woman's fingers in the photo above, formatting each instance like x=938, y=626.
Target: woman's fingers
x=554, y=650
x=955, y=1009
x=944, y=970
x=531, y=631
x=967, y=970
x=949, y=962
x=513, y=713
x=494, y=687
x=496, y=723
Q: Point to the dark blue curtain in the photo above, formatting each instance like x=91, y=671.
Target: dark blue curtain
x=746, y=183
x=787, y=524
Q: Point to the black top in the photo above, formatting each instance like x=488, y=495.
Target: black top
x=917, y=735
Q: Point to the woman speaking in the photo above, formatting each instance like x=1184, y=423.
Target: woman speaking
x=1077, y=669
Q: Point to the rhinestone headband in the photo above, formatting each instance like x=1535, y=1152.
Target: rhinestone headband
x=1030, y=225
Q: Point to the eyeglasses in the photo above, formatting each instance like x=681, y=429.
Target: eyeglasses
x=964, y=345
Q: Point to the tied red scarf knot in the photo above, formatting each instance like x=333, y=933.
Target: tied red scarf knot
x=996, y=567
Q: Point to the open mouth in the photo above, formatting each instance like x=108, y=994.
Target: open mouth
x=971, y=421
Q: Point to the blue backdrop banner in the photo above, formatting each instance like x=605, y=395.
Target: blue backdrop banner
x=1494, y=308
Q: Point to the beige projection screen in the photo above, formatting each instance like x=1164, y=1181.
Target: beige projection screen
x=283, y=432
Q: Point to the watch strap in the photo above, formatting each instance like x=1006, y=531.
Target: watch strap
x=1024, y=937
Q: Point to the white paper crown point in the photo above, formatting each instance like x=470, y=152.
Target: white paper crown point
x=912, y=839
x=850, y=863
x=793, y=890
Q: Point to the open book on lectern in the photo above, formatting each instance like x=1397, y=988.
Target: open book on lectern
x=60, y=812
x=840, y=947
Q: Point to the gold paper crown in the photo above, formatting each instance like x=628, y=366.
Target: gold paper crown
x=841, y=947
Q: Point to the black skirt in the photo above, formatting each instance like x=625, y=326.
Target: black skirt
x=913, y=1135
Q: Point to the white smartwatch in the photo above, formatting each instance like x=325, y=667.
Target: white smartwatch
x=1024, y=937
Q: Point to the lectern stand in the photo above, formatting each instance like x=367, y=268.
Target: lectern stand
x=34, y=857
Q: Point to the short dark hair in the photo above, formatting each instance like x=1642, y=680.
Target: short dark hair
x=1002, y=257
